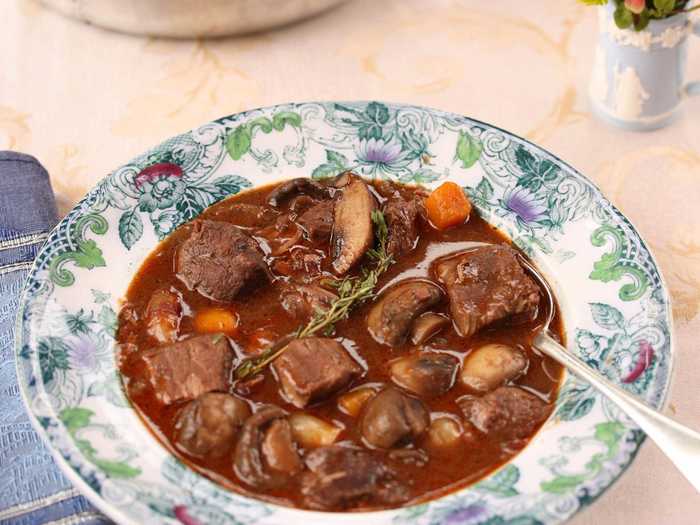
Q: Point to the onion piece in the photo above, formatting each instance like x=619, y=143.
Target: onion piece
x=312, y=432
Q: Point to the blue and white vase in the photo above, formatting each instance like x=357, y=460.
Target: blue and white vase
x=638, y=81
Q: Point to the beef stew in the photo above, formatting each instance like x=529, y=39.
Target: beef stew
x=325, y=345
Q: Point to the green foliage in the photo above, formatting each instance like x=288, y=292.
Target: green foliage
x=79, y=322
x=240, y=140
x=53, y=356
x=502, y=483
x=575, y=408
x=607, y=316
x=468, y=149
x=626, y=18
x=76, y=418
x=537, y=172
x=335, y=163
x=562, y=484
x=88, y=256
x=130, y=227
x=370, y=122
x=623, y=17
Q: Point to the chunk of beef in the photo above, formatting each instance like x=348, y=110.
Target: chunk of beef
x=353, y=233
x=508, y=413
x=426, y=374
x=208, y=425
x=187, y=369
x=313, y=368
x=297, y=186
x=163, y=313
x=491, y=366
x=402, y=222
x=317, y=221
x=341, y=478
x=219, y=260
x=393, y=418
x=485, y=285
x=265, y=455
x=302, y=263
x=304, y=300
x=391, y=317
x=247, y=215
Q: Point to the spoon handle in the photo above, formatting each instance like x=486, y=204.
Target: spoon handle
x=679, y=443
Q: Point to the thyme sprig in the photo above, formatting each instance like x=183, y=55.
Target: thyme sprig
x=352, y=291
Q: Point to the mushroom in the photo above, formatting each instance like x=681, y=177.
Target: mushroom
x=444, y=433
x=426, y=374
x=208, y=424
x=296, y=186
x=491, y=366
x=265, y=454
x=426, y=326
x=352, y=231
x=352, y=402
x=391, y=317
x=391, y=418
x=278, y=448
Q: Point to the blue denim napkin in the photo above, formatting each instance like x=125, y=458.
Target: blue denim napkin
x=32, y=488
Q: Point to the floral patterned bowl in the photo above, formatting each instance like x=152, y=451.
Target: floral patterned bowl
x=615, y=306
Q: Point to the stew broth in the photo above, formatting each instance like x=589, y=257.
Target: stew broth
x=262, y=318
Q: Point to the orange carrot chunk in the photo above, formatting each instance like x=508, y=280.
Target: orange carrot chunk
x=213, y=320
x=447, y=206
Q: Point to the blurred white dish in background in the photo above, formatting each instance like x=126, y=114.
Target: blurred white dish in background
x=190, y=18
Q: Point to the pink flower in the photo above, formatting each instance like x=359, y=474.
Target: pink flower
x=636, y=6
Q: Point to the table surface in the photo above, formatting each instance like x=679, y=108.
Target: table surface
x=84, y=101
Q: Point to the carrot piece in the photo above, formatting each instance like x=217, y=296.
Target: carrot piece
x=447, y=206
x=213, y=320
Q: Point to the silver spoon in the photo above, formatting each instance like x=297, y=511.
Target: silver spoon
x=679, y=443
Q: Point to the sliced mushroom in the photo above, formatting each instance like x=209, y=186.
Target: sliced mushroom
x=278, y=448
x=352, y=231
x=264, y=455
x=296, y=186
x=426, y=374
x=342, y=180
x=281, y=237
x=491, y=366
x=391, y=317
x=426, y=326
x=392, y=418
x=208, y=424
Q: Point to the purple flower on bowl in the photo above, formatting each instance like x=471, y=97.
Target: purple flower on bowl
x=464, y=515
x=82, y=353
x=381, y=154
x=526, y=205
